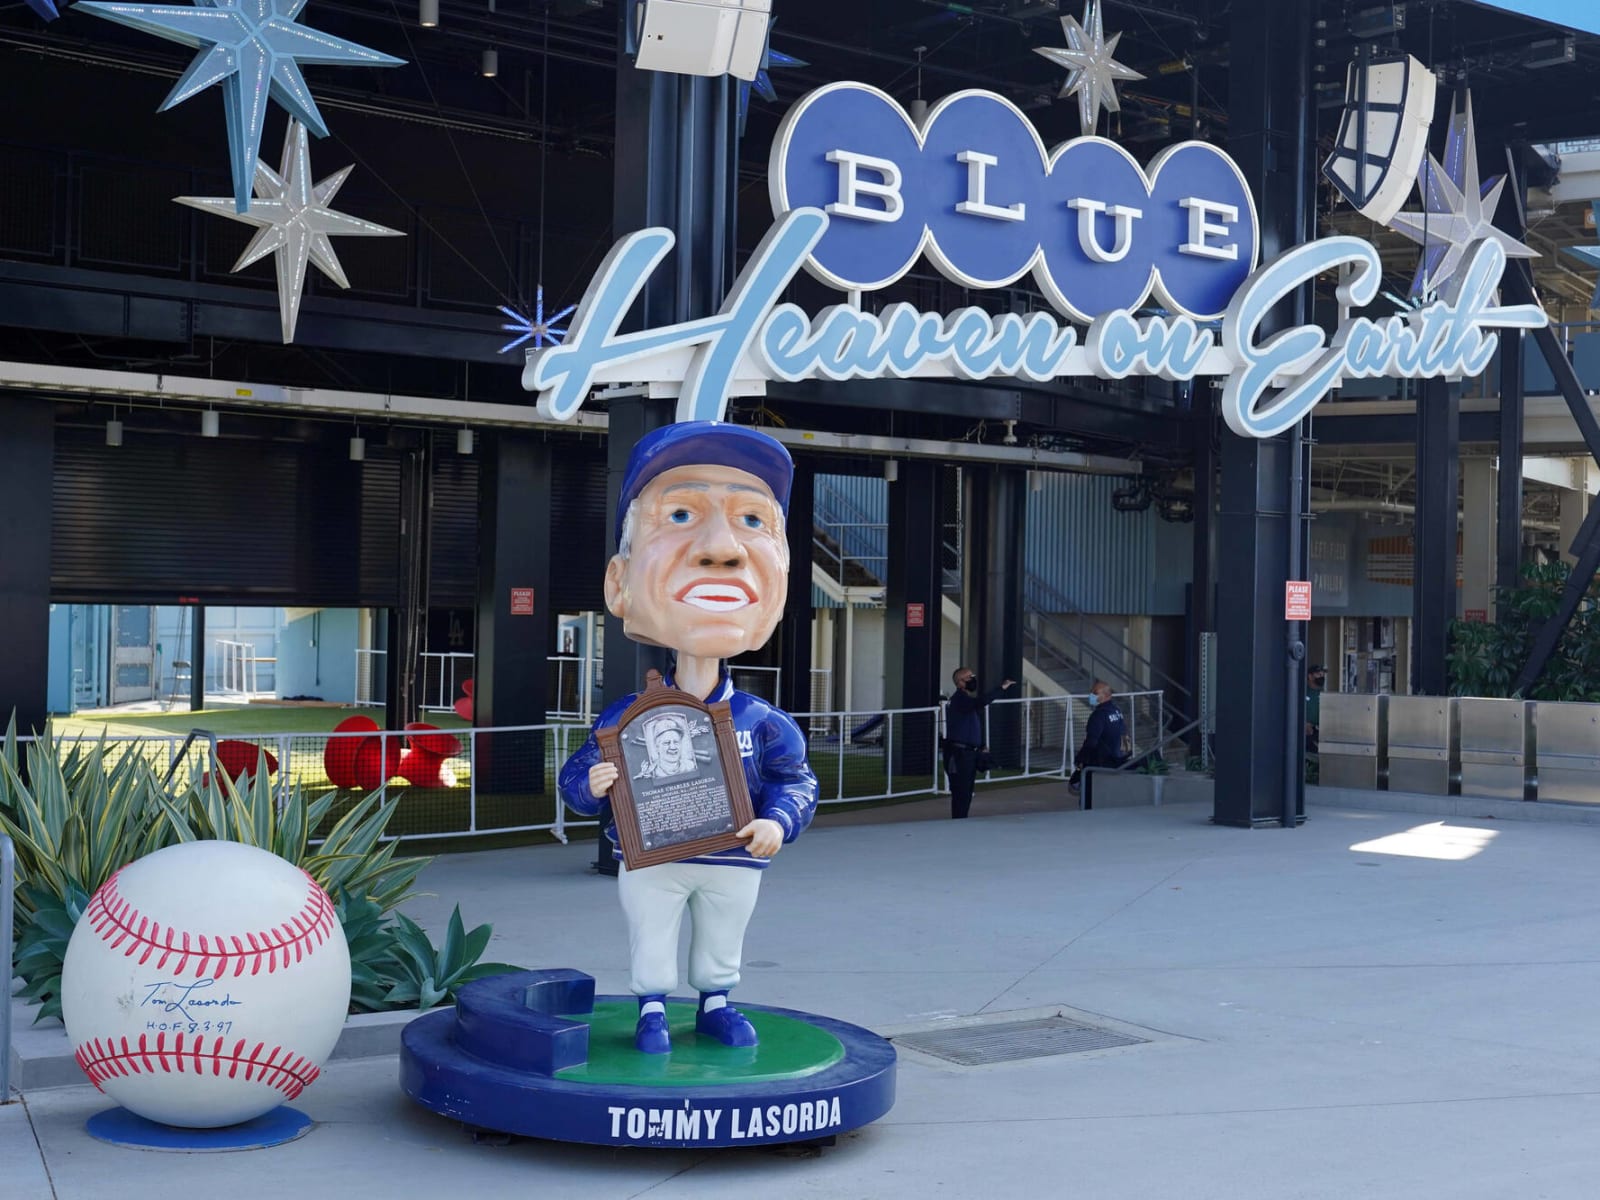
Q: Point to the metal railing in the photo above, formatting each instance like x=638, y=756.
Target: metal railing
x=238, y=668
x=367, y=665
x=476, y=782
x=441, y=679
x=8, y=885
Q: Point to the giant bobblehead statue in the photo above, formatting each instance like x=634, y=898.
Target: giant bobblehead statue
x=702, y=568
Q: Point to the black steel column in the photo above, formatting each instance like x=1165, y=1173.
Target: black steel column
x=1261, y=661
x=996, y=500
x=511, y=670
x=27, y=464
x=197, y=660
x=1433, y=586
x=1508, y=503
x=675, y=167
x=794, y=632
x=1202, y=592
x=912, y=618
x=408, y=620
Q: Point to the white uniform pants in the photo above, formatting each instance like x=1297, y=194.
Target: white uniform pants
x=720, y=900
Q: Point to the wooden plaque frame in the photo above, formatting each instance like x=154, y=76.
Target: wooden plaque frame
x=726, y=764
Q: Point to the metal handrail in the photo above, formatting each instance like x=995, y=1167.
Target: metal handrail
x=8, y=883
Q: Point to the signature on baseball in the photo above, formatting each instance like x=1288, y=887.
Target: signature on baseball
x=171, y=996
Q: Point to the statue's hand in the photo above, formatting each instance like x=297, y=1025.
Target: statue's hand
x=766, y=837
x=601, y=776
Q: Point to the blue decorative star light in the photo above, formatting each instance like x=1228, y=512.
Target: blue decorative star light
x=762, y=85
x=44, y=8
x=1458, y=209
x=1591, y=256
x=538, y=330
x=254, y=48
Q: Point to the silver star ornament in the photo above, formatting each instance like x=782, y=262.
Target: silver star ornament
x=1458, y=210
x=1092, y=68
x=294, y=222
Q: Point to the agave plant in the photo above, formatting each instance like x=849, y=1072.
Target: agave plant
x=80, y=816
x=353, y=858
x=425, y=976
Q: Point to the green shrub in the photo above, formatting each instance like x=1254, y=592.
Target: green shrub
x=84, y=812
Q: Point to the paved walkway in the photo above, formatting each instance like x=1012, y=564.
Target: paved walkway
x=1377, y=1005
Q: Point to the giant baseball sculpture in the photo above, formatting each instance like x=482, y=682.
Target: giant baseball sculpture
x=205, y=984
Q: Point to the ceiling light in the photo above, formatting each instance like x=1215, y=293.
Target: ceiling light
x=491, y=64
x=463, y=441
x=428, y=13
x=113, y=432
x=210, y=426
x=891, y=470
x=358, y=448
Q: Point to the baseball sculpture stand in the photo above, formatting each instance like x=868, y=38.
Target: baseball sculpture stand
x=205, y=985
x=707, y=785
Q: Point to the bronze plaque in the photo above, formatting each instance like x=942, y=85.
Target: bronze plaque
x=680, y=789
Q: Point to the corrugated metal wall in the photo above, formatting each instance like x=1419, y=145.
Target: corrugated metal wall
x=1079, y=546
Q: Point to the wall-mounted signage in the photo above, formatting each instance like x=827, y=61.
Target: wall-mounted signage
x=1158, y=262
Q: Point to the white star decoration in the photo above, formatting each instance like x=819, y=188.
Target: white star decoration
x=1458, y=211
x=536, y=329
x=1092, y=69
x=294, y=222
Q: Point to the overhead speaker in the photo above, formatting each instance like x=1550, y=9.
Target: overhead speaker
x=1377, y=158
x=702, y=37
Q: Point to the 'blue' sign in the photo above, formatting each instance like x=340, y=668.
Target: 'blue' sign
x=977, y=192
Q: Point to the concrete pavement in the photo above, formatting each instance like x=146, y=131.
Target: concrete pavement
x=1375, y=1005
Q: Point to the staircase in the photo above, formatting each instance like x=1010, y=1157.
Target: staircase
x=1064, y=652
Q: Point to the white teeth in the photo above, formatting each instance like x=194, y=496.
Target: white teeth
x=717, y=599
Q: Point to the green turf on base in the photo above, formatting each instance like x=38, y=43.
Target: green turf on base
x=789, y=1049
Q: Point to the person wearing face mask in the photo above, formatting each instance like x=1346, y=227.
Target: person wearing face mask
x=1105, y=740
x=1316, y=681
x=963, y=727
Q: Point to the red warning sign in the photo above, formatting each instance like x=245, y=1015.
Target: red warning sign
x=1296, y=601
x=522, y=602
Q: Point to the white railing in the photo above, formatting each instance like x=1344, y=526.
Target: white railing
x=367, y=663
x=237, y=664
x=503, y=780
x=441, y=680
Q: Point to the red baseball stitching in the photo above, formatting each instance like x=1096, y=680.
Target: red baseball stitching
x=291, y=1074
x=118, y=922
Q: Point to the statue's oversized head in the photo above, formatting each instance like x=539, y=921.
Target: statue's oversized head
x=702, y=559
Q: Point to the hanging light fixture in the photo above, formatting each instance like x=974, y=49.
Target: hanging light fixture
x=358, y=448
x=113, y=431
x=428, y=13
x=491, y=64
x=210, y=425
x=463, y=441
x=1036, y=481
x=919, y=106
x=891, y=470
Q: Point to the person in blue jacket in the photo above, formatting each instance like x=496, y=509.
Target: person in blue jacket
x=702, y=568
x=1105, y=737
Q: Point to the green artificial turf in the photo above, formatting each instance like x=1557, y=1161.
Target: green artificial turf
x=789, y=1049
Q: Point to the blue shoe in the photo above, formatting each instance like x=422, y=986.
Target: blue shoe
x=728, y=1025
x=650, y=1035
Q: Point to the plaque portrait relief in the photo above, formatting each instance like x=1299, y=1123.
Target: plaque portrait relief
x=681, y=789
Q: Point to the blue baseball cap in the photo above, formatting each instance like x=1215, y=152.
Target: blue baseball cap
x=697, y=443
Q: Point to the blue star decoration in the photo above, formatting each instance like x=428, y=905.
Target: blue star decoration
x=1591, y=256
x=540, y=331
x=762, y=85
x=44, y=8
x=254, y=48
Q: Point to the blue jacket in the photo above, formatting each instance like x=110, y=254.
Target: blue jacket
x=771, y=746
x=963, y=715
x=1102, y=738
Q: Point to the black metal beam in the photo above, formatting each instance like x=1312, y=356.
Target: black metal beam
x=911, y=672
x=794, y=634
x=1512, y=218
x=111, y=304
x=197, y=660
x=1518, y=287
x=994, y=518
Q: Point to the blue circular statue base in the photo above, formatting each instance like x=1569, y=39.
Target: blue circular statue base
x=536, y=1054
x=119, y=1127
